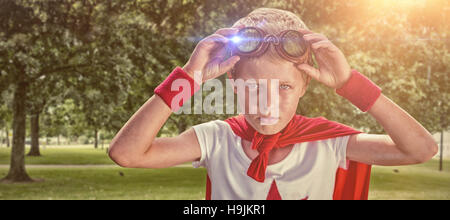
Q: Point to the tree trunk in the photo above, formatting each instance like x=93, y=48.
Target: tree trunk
x=2, y=140
x=101, y=139
x=17, y=172
x=34, y=122
x=7, y=136
x=57, y=140
x=96, y=139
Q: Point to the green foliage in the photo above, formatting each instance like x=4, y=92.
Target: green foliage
x=106, y=57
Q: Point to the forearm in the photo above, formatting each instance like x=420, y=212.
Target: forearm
x=138, y=134
x=410, y=137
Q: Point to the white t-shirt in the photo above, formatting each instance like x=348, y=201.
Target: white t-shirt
x=307, y=172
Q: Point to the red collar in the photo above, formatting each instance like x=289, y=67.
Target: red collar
x=351, y=183
x=299, y=129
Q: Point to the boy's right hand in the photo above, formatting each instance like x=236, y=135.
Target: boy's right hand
x=208, y=56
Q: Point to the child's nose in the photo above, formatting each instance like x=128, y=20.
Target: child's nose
x=269, y=102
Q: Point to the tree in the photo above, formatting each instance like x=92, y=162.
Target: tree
x=5, y=115
x=108, y=56
x=41, y=92
x=28, y=54
x=57, y=40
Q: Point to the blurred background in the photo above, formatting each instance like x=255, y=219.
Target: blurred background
x=72, y=72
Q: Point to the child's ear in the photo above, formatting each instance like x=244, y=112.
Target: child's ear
x=305, y=86
x=308, y=80
x=303, y=91
x=229, y=75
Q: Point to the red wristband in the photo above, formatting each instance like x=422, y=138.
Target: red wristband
x=360, y=91
x=182, y=80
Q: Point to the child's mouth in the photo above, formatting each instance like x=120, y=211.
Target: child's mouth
x=268, y=120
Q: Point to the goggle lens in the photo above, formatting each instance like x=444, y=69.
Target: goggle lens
x=247, y=40
x=293, y=44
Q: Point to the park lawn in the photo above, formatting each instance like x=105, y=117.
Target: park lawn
x=422, y=181
x=407, y=182
x=109, y=183
x=65, y=155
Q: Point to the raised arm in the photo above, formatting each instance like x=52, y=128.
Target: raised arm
x=135, y=144
x=407, y=142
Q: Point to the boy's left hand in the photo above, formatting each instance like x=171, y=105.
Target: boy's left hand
x=334, y=70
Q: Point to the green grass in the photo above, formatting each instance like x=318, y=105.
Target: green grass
x=107, y=183
x=73, y=155
x=422, y=181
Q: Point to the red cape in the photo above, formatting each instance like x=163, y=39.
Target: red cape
x=350, y=184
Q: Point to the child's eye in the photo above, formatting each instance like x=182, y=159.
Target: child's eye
x=284, y=86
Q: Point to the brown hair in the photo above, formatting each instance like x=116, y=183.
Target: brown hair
x=272, y=21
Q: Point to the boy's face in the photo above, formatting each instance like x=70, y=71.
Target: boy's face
x=290, y=89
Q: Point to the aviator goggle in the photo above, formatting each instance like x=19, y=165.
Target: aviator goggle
x=253, y=42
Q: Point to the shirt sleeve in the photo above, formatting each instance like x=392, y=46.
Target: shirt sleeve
x=341, y=151
x=207, y=138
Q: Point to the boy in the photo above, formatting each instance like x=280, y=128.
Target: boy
x=274, y=153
